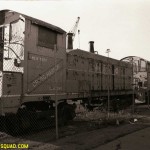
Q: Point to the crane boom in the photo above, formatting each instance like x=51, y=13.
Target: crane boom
x=74, y=28
x=71, y=34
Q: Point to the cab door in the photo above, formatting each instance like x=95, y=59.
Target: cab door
x=11, y=92
x=12, y=84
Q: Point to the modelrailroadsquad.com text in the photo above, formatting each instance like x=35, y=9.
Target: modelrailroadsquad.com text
x=14, y=146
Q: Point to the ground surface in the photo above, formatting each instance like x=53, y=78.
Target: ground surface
x=83, y=134
x=136, y=141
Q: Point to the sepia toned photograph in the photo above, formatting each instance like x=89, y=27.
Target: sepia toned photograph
x=74, y=75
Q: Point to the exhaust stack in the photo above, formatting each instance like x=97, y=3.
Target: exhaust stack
x=91, y=46
x=70, y=41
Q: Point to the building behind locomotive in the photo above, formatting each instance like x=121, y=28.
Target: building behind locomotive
x=140, y=77
x=148, y=83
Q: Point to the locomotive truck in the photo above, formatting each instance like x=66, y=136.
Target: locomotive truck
x=36, y=70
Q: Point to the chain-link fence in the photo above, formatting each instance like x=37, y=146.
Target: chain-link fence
x=24, y=115
x=36, y=117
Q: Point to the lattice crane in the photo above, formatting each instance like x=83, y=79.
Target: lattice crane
x=71, y=34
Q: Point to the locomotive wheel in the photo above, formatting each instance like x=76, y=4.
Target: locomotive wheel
x=12, y=125
x=24, y=119
x=66, y=113
x=62, y=117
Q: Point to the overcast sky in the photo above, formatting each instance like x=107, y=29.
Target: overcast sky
x=123, y=26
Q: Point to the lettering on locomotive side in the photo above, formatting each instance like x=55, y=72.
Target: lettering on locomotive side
x=45, y=72
x=46, y=75
x=39, y=80
x=37, y=58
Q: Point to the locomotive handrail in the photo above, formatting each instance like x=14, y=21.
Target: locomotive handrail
x=12, y=49
x=13, y=52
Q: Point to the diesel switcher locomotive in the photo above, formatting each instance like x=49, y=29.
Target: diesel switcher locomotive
x=37, y=70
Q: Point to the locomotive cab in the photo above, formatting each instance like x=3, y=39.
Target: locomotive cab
x=32, y=67
x=11, y=62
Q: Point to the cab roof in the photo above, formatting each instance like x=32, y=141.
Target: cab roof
x=37, y=21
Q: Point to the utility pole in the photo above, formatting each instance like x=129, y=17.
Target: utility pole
x=108, y=100
x=133, y=100
x=148, y=98
x=55, y=85
x=147, y=70
x=79, y=38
